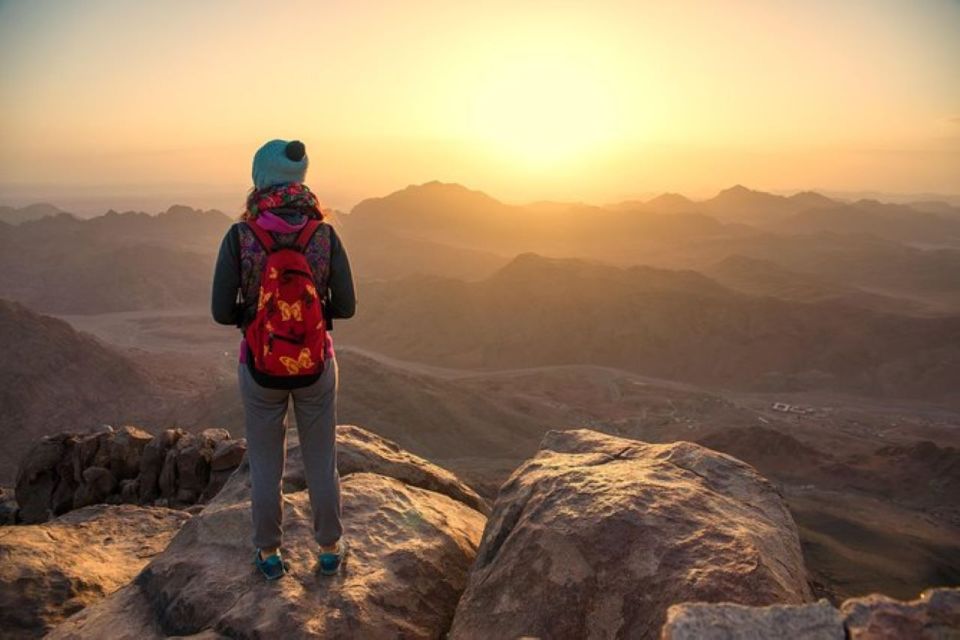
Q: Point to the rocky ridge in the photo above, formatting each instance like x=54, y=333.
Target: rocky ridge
x=128, y=465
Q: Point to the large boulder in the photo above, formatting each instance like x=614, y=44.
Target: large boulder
x=596, y=536
x=934, y=616
x=49, y=571
x=410, y=552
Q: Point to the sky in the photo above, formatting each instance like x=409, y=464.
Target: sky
x=135, y=104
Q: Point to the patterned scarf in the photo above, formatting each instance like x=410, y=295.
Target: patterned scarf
x=294, y=194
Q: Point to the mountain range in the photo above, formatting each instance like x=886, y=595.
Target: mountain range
x=669, y=324
x=870, y=250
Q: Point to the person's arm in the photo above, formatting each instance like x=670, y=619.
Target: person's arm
x=341, y=295
x=226, y=280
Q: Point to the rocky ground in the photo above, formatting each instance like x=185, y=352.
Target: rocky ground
x=594, y=536
x=49, y=571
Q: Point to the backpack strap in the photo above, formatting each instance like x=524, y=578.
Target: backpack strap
x=306, y=234
x=265, y=237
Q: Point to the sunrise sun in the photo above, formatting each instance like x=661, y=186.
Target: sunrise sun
x=541, y=111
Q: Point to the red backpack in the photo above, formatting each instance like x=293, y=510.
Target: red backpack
x=288, y=333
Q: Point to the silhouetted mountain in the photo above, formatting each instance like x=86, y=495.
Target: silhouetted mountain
x=664, y=203
x=811, y=200
x=383, y=255
x=177, y=228
x=686, y=237
x=451, y=231
x=891, y=221
x=436, y=204
x=115, y=262
x=670, y=203
x=530, y=271
x=676, y=326
x=740, y=204
x=453, y=215
x=859, y=261
x=767, y=278
x=91, y=279
x=16, y=215
x=938, y=207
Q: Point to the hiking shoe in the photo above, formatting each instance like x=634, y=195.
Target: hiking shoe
x=330, y=561
x=272, y=567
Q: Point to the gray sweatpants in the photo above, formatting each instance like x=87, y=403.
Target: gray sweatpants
x=316, y=409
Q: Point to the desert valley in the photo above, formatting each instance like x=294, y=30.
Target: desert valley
x=817, y=340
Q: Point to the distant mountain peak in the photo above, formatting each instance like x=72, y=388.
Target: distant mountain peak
x=444, y=198
x=175, y=209
x=670, y=198
x=439, y=185
x=30, y=212
x=811, y=199
x=45, y=207
x=740, y=193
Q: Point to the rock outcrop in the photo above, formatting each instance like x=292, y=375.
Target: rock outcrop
x=49, y=571
x=934, y=616
x=410, y=551
x=596, y=536
x=72, y=470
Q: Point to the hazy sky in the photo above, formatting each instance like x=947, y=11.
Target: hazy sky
x=526, y=100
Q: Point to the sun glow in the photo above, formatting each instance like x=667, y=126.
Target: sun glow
x=582, y=100
x=544, y=110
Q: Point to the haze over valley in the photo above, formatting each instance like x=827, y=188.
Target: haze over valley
x=816, y=339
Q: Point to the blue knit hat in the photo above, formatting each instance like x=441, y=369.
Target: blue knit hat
x=279, y=162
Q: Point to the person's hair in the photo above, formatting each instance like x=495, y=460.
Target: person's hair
x=321, y=211
x=245, y=214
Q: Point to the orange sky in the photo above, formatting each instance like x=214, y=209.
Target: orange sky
x=595, y=101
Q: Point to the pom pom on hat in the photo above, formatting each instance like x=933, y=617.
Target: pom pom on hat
x=279, y=162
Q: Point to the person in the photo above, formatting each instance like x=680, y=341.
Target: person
x=282, y=205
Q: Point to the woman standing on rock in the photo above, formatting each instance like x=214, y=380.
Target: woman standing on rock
x=282, y=275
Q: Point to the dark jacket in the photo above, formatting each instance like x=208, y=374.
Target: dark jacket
x=226, y=307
